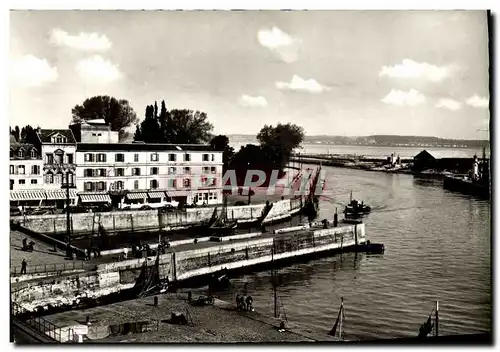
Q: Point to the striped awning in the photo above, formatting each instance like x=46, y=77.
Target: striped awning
x=60, y=194
x=178, y=193
x=137, y=195
x=95, y=198
x=156, y=194
x=27, y=195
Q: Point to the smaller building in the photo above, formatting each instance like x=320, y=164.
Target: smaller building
x=424, y=161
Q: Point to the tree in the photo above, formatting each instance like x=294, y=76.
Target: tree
x=16, y=133
x=116, y=112
x=175, y=126
x=221, y=143
x=188, y=127
x=280, y=141
x=28, y=135
x=138, y=133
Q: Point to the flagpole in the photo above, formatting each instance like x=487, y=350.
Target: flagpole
x=437, y=318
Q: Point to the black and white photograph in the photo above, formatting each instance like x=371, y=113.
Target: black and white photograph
x=250, y=176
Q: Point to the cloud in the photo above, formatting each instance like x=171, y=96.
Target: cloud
x=300, y=84
x=82, y=41
x=412, y=69
x=249, y=101
x=449, y=104
x=280, y=43
x=98, y=69
x=30, y=71
x=478, y=102
x=401, y=98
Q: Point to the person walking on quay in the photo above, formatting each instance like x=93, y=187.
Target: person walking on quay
x=23, y=267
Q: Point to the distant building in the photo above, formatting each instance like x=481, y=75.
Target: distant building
x=424, y=160
x=25, y=168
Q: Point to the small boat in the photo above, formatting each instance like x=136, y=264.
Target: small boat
x=221, y=224
x=370, y=248
x=356, y=209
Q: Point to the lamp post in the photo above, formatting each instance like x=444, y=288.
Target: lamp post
x=67, y=185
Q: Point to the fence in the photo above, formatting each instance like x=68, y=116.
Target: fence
x=48, y=268
x=42, y=325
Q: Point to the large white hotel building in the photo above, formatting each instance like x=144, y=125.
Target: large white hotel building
x=101, y=170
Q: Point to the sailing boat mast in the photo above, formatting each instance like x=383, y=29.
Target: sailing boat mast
x=341, y=317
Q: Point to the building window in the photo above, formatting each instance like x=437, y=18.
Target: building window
x=154, y=171
x=101, y=158
x=69, y=178
x=172, y=183
x=49, y=178
x=136, y=171
x=34, y=182
x=119, y=185
x=35, y=169
x=172, y=157
x=136, y=158
x=33, y=153
x=89, y=157
x=21, y=170
x=59, y=154
x=154, y=157
x=120, y=157
x=136, y=184
x=87, y=173
x=213, y=157
x=172, y=170
x=88, y=186
x=12, y=169
x=60, y=139
x=49, y=158
x=11, y=152
x=101, y=186
x=187, y=157
x=120, y=172
x=213, y=169
x=59, y=178
x=22, y=182
x=153, y=184
x=101, y=172
x=206, y=169
x=187, y=170
x=69, y=158
x=11, y=185
x=205, y=157
x=21, y=153
x=187, y=182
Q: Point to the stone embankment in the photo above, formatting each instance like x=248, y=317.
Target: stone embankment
x=190, y=261
x=151, y=220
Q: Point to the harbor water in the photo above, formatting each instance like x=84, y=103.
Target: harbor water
x=437, y=249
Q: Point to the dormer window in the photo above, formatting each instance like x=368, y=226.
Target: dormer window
x=58, y=139
x=33, y=153
x=21, y=153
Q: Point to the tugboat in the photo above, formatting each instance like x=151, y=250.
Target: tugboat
x=356, y=209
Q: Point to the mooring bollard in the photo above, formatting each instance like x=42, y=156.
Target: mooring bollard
x=155, y=301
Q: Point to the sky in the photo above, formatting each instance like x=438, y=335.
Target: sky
x=349, y=73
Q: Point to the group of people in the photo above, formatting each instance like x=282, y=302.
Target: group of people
x=244, y=303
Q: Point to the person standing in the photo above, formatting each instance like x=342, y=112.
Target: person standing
x=23, y=267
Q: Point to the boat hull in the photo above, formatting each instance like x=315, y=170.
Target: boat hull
x=466, y=187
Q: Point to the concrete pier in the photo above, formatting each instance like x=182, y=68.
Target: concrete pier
x=190, y=261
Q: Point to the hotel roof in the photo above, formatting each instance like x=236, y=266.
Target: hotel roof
x=83, y=147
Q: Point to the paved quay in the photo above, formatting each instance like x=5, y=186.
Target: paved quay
x=220, y=323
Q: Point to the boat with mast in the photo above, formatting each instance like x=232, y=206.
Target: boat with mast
x=220, y=224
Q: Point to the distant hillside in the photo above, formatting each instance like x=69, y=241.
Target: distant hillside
x=382, y=140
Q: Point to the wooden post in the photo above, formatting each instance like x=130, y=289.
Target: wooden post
x=437, y=318
x=132, y=222
x=114, y=225
x=356, y=234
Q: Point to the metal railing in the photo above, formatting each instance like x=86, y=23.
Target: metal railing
x=47, y=268
x=42, y=325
